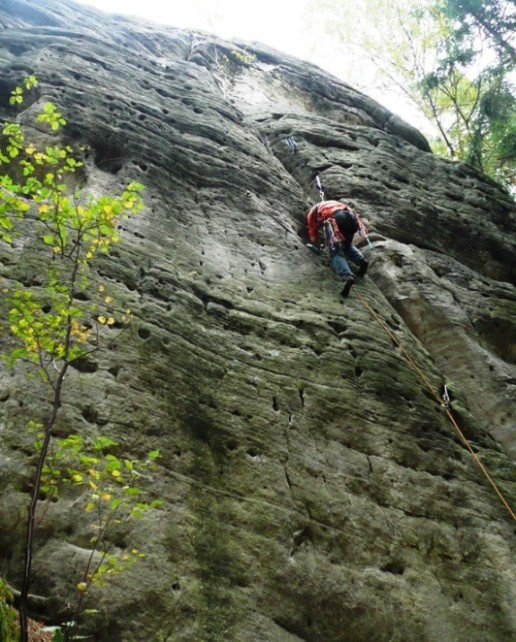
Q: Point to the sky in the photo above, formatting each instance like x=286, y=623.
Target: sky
x=286, y=25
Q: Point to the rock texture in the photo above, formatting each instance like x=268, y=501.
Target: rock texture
x=315, y=488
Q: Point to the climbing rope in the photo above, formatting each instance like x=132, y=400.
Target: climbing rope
x=439, y=398
x=443, y=400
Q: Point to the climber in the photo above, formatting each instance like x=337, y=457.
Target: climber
x=339, y=223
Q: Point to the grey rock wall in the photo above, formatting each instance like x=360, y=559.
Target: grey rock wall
x=314, y=486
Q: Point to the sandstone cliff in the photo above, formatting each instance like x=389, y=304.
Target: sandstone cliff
x=315, y=488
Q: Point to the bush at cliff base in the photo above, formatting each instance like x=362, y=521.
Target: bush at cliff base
x=8, y=616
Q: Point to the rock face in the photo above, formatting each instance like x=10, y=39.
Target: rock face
x=315, y=488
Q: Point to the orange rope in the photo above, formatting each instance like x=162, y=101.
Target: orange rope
x=434, y=392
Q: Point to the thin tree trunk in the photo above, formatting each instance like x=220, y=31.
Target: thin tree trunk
x=31, y=516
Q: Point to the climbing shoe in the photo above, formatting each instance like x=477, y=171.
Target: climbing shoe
x=347, y=286
x=362, y=268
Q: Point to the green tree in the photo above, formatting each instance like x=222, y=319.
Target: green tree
x=481, y=20
x=477, y=48
x=110, y=495
x=452, y=59
x=53, y=326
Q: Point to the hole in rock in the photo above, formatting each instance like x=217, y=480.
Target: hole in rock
x=45, y=497
x=114, y=370
x=82, y=364
x=90, y=414
x=81, y=296
x=337, y=326
x=31, y=281
x=352, y=351
x=396, y=568
x=108, y=156
x=144, y=333
x=318, y=350
x=275, y=404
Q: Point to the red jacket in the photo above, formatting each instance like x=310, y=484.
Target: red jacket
x=323, y=211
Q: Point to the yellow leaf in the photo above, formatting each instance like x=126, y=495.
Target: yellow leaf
x=101, y=288
x=77, y=478
x=110, y=321
x=82, y=586
x=101, y=319
x=106, y=497
x=89, y=507
x=108, y=299
x=115, y=473
x=43, y=208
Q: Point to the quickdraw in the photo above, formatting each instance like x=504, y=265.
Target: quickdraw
x=446, y=397
x=319, y=187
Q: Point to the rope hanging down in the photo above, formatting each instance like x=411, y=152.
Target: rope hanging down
x=443, y=400
x=445, y=405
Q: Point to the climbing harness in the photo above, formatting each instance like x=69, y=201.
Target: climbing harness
x=443, y=400
x=363, y=230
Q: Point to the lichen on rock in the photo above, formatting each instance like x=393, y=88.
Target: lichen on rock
x=314, y=486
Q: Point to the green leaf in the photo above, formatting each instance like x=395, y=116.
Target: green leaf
x=49, y=239
x=102, y=442
x=132, y=491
